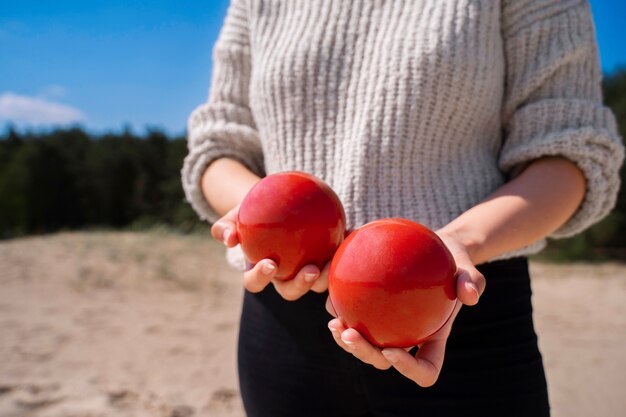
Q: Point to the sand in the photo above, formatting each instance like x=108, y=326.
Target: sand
x=145, y=324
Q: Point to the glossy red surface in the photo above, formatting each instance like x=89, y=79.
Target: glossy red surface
x=292, y=218
x=393, y=280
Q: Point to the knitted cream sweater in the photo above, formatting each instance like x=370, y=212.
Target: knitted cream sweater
x=414, y=109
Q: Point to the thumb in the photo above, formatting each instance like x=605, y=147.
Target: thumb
x=470, y=285
x=225, y=229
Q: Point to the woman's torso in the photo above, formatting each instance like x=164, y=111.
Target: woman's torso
x=396, y=104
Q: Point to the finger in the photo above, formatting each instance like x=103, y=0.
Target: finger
x=336, y=328
x=351, y=344
x=363, y=350
x=257, y=278
x=330, y=308
x=321, y=283
x=295, y=288
x=424, y=368
x=224, y=230
x=470, y=285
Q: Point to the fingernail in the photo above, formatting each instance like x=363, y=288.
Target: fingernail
x=347, y=342
x=226, y=235
x=310, y=276
x=332, y=328
x=268, y=268
x=390, y=356
x=473, y=287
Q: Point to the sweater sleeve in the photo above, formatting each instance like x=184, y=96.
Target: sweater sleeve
x=223, y=127
x=553, y=100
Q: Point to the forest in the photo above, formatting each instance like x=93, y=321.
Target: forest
x=68, y=178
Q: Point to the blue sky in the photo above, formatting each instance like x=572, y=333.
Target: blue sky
x=110, y=63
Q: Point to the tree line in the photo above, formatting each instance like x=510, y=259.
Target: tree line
x=71, y=179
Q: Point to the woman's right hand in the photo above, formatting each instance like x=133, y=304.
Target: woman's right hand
x=309, y=278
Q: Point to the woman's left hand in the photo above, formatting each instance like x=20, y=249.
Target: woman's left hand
x=425, y=366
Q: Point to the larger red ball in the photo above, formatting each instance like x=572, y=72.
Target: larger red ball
x=393, y=280
x=293, y=218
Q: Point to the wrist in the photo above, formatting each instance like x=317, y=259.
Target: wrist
x=471, y=240
x=225, y=182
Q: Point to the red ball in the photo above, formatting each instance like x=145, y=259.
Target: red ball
x=293, y=218
x=393, y=280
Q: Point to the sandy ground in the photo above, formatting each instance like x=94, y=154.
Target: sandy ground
x=144, y=324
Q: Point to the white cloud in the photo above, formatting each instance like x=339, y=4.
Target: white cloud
x=25, y=110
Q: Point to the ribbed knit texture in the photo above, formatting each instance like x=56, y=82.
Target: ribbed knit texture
x=414, y=109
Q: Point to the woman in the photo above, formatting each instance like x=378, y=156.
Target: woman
x=480, y=119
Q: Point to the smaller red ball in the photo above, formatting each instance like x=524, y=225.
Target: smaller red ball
x=293, y=218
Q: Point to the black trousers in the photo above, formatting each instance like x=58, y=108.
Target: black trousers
x=289, y=364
